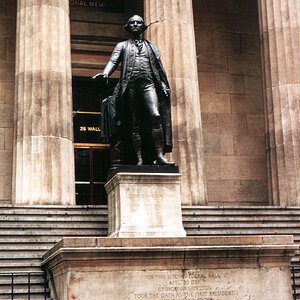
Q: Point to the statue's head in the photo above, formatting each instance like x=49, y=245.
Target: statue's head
x=136, y=25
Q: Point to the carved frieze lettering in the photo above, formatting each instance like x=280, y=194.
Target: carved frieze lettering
x=102, y=5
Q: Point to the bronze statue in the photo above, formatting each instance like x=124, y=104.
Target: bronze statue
x=136, y=119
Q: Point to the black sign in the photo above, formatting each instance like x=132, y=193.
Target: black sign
x=87, y=128
x=100, y=5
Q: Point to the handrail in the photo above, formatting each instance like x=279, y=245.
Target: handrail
x=22, y=273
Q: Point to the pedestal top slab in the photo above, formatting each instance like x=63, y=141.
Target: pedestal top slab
x=142, y=178
x=181, y=244
x=142, y=169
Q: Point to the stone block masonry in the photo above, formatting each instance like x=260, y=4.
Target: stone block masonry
x=232, y=107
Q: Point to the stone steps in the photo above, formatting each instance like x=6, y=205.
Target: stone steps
x=200, y=220
x=15, y=239
x=51, y=233
x=213, y=219
x=26, y=233
x=241, y=210
x=245, y=220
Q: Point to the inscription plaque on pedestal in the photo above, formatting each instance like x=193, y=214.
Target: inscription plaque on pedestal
x=181, y=284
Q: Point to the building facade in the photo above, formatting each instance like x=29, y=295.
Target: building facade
x=234, y=70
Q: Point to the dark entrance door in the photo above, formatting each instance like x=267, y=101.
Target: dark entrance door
x=91, y=155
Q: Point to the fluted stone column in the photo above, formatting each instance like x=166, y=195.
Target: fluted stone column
x=280, y=37
x=43, y=150
x=171, y=28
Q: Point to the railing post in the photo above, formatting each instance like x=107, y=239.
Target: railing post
x=12, y=286
x=294, y=283
x=45, y=285
x=28, y=286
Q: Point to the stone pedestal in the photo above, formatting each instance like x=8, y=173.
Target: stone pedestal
x=144, y=205
x=214, y=268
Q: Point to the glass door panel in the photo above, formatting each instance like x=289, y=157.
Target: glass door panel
x=92, y=157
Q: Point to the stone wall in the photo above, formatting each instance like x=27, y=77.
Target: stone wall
x=229, y=68
x=90, y=50
x=7, y=79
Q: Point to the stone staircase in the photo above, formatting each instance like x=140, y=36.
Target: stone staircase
x=246, y=221
x=26, y=233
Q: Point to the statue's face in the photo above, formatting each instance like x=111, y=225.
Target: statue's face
x=136, y=25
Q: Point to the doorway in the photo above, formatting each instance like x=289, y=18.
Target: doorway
x=92, y=156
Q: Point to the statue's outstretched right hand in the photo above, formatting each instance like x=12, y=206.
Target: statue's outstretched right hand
x=100, y=76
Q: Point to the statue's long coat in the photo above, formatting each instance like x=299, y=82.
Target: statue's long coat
x=112, y=116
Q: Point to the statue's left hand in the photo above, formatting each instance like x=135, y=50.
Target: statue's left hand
x=167, y=92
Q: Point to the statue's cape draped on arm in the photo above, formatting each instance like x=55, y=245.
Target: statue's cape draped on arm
x=109, y=127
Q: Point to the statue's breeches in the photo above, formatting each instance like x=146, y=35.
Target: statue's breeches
x=141, y=93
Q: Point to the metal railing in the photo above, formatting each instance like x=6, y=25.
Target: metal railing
x=295, y=270
x=28, y=282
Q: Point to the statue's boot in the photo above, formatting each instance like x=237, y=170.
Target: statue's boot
x=136, y=143
x=161, y=160
x=158, y=138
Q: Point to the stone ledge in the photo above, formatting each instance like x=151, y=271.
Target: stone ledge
x=142, y=178
x=253, y=245
x=142, y=169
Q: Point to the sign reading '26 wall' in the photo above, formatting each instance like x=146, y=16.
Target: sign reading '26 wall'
x=100, y=5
